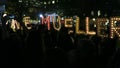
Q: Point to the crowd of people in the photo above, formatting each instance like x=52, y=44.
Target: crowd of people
x=50, y=48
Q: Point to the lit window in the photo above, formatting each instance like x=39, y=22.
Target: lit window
x=92, y=13
x=20, y=0
x=45, y=3
x=99, y=13
x=53, y=2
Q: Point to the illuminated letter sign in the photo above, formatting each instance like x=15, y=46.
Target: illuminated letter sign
x=46, y=21
x=54, y=24
x=68, y=23
x=113, y=28
x=87, y=28
x=101, y=27
x=77, y=27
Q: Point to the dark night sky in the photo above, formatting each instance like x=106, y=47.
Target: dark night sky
x=88, y=5
x=2, y=0
x=111, y=7
x=97, y=3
